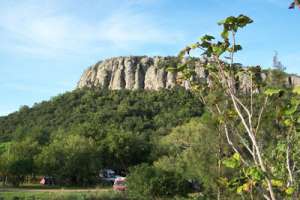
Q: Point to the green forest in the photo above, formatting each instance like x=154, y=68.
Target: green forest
x=74, y=135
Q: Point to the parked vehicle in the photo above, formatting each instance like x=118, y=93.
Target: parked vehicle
x=195, y=185
x=120, y=184
x=108, y=176
x=47, y=180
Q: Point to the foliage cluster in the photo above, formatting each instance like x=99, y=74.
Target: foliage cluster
x=150, y=183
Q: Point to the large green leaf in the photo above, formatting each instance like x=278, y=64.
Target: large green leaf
x=295, y=101
x=239, y=190
x=207, y=38
x=230, y=20
x=233, y=162
x=291, y=110
x=277, y=183
x=230, y=163
x=235, y=48
x=288, y=122
x=255, y=173
x=289, y=190
x=272, y=91
x=244, y=20
x=237, y=156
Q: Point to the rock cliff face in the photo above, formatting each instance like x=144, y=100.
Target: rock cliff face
x=142, y=72
x=134, y=72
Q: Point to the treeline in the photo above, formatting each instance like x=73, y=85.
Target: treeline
x=74, y=135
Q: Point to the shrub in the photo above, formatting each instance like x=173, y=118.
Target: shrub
x=148, y=182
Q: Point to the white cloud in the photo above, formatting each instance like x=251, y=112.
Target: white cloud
x=131, y=27
x=47, y=31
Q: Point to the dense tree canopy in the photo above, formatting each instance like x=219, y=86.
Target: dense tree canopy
x=74, y=135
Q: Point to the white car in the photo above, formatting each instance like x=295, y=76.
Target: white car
x=108, y=175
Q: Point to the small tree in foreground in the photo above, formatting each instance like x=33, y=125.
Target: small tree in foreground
x=264, y=164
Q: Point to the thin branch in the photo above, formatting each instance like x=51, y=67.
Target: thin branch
x=246, y=110
x=288, y=160
x=291, y=180
x=251, y=93
x=260, y=114
x=245, y=145
x=229, y=140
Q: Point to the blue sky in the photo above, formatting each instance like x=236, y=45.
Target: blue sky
x=46, y=45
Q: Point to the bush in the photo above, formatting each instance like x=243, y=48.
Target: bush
x=148, y=182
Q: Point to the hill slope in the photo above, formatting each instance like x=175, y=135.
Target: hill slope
x=101, y=110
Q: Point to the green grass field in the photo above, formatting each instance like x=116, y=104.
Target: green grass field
x=61, y=195
x=38, y=192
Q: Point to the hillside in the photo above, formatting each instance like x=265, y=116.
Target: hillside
x=100, y=110
x=90, y=129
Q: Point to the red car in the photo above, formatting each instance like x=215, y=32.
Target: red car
x=120, y=184
x=47, y=180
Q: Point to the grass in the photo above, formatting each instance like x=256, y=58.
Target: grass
x=65, y=195
x=53, y=187
x=40, y=192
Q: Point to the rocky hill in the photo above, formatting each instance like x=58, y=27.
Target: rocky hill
x=129, y=73
x=142, y=72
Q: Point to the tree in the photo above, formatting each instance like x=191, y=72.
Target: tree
x=18, y=161
x=277, y=64
x=149, y=183
x=276, y=77
x=71, y=160
x=192, y=150
x=240, y=114
x=124, y=149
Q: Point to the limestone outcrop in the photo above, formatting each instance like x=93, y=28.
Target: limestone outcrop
x=134, y=72
x=142, y=72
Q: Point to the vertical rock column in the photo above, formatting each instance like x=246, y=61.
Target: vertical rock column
x=118, y=75
x=130, y=69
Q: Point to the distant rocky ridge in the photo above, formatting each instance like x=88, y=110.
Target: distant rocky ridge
x=142, y=72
